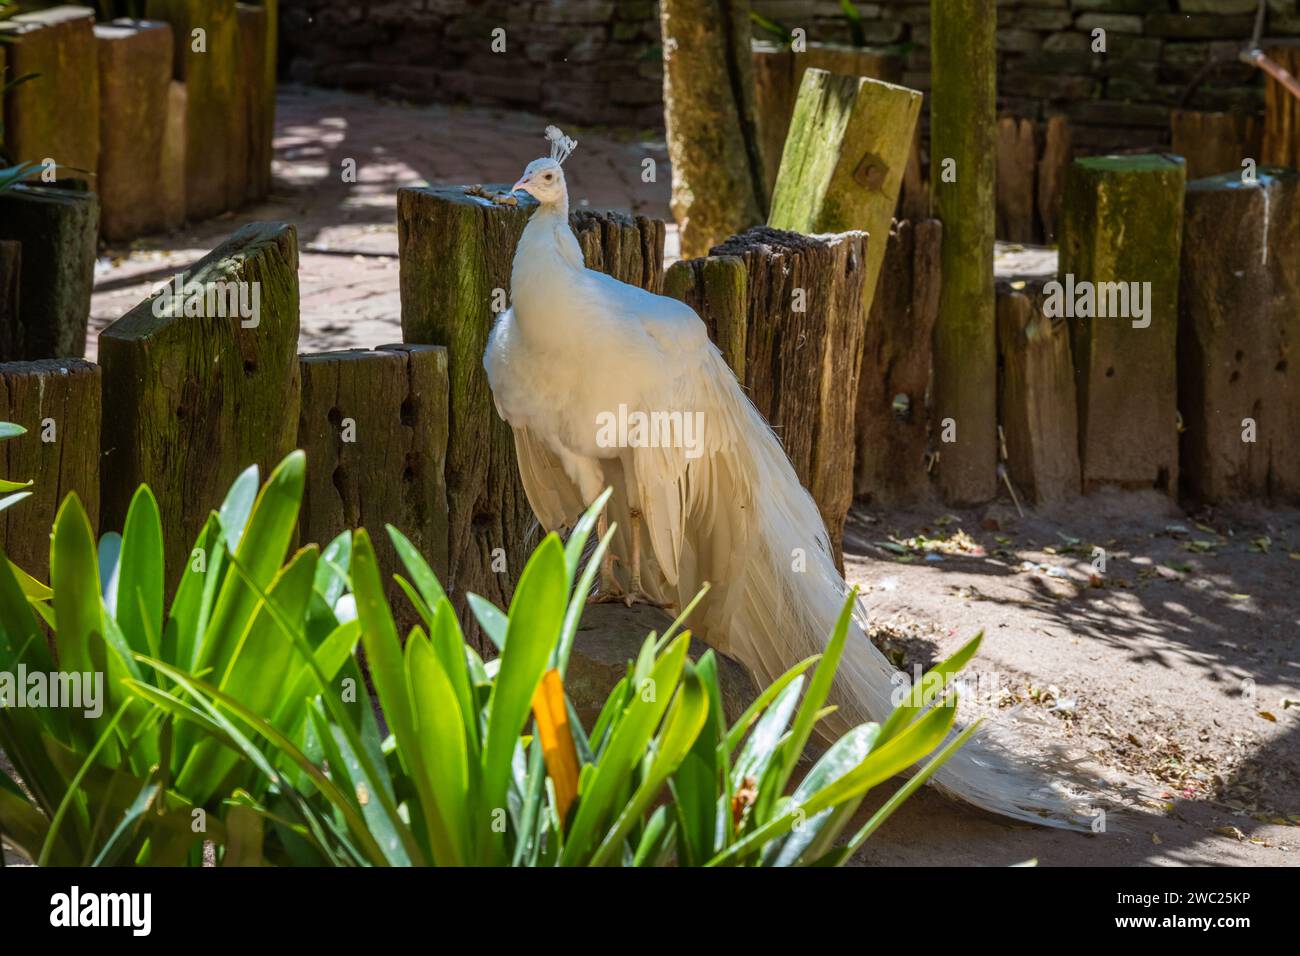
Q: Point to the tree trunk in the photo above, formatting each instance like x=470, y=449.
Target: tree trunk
x=710, y=117
x=1239, y=325
x=963, y=170
x=57, y=401
x=58, y=227
x=803, y=351
x=849, y=143
x=192, y=400
x=1121, y=225
x=456, y=248
x=892, y=422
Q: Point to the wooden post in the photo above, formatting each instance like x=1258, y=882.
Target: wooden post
x=1281, y=145
x=213, y=115
x=374, y=427
x=57, y=115
x=717, y=288
x=262, y=135
x=249, y=74
x=1121, y=232
x=892, y=422
x=803, y=351
x=57, y=401
x=849, y=143
x=135, y=74
x=57, y=226
x=1214, y=143
x=1239, y=305
x=11, y=264
x=710, y=115
x=1017, y=162
x=456, y=247
x=1058, y=147
x=1037, y=405
x=171, y=181
x=191, y=400
x=963, y=170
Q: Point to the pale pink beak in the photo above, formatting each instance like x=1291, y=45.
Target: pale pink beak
x=520, y=185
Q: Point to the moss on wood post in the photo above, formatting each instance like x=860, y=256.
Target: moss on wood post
x=1036, y=398
x=58, y=402
x=1121, y=232
x=1239, y=307
x=135, y=75
x=191, y=400
x=58, y=227
x=717, y=288
x=456, y=248
x=57, y=116
x=206, y=37
x=712, y=127
x=891, y=420
x=374, y=427
x=848, y=146
x=803, y=345
x=963, y=170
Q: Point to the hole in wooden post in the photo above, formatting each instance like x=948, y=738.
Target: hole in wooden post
x=408, y=412
x=1110, y=372
x=1281, y=366
x=335, y=416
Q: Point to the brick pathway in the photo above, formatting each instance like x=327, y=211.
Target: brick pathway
x=347, y=232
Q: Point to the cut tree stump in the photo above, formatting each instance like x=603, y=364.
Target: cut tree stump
x=1058, y=148
x=135, y=75
x=374, y=427
x=892, y=423
x=1122, y=224
x=213, y=120
x=58, y=226
x=849, y=143
x=711, y=122
x=803, y=350
x=456, y=249
x=1239, y=304
x=56, y=116
x=1017, y=162
x=57, y=401
x=778, y=74
x=1214, y=143
x=1038, y=411
x=1281, y=138
x=963, y=143
x=717, y=288
x=192, y=400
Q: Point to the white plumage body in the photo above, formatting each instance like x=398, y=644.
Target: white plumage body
x=576, y=345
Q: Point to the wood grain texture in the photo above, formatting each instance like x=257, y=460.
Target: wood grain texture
x=1017, y=174
x=1058, y=146
x=1281, y=138
x=717, y=288
x=191, y=401
x=1214, y=143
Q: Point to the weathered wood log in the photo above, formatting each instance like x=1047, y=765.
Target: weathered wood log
x=56, y=116
x=58, y=226
x=11, y=264
x=374, y=427
x=171, y=179
x=206, y=59
x=963, y=171
x=849, y=142
x=1121, y=231
x=711, y=123
x=262, y=135
x=803, y=351
x=778, y=75
x=1016, y=165
x=892, y=423
x=199, y=386
x=57, y=401
x=914, y=198
x=456, y=247
x=1281, y=138
x=1036, y=401
x=135, y=75
x=1214, y=143
x=717, y=288
x=1058, y=149
x=1239, y=306
x=249, y=98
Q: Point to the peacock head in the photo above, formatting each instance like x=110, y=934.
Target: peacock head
x=543, y=179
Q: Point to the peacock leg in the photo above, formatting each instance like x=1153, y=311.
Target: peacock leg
x=637, y=595
x=608, y=591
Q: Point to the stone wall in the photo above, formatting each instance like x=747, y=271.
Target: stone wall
x=597, y=61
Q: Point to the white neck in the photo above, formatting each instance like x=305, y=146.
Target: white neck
x=547, y=265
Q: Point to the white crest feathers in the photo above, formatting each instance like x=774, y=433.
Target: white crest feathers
x=561, y=145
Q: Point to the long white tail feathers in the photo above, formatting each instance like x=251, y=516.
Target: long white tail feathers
x=777, y=616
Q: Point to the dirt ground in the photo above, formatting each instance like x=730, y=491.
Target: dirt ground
x=1174, y=676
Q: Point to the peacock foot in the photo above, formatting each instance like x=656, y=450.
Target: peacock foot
x=637, y=596
x=608, y=594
